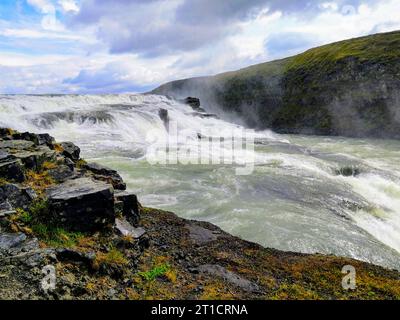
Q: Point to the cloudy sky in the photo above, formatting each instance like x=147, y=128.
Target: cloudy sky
x=117, y=46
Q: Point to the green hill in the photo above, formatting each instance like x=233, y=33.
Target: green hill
x=349, y=88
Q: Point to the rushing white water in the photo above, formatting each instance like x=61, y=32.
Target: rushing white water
x=294, y=200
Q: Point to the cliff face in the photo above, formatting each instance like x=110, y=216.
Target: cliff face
x=349, y=88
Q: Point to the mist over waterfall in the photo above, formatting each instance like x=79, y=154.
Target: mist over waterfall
x=308, y=194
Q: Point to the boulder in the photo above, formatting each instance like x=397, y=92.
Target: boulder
x=193, y=102
x=82, y=204
x=163, y=114
x=129, y=205
x=12, y=171
x=127, y=230
x=71, y=151
x=106, y=174
x=46, y=139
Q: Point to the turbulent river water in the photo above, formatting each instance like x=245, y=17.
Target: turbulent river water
x=294, y=200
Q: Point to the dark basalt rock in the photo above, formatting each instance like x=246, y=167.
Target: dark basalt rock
x=106, y=174
x=62, y=173
x=70, y=255
x=348, y=171
x=35, y=159
x=193, y=102
x=163, y=114
x=82, y=204
x=71, y=150
x=26, y=136
x=46, y=139
x=17, y=197
x=130, y=206
x=12, y=171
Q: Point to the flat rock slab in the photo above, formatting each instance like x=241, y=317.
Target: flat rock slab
x=83, y=204
x=127, y=230
x=9, y=241
x=230, y=277
x=16, y=144
x=201, y=235
x=5, y=156
x=106, y=174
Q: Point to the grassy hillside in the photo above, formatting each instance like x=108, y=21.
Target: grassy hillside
x=349, y=88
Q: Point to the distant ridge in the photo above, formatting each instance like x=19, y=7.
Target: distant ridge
x=349, y=88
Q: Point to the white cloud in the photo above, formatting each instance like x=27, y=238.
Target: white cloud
x=69, y=5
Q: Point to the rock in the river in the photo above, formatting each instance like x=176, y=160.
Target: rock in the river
x=82, y=204
x=71, y=150
x=163, y=114
x=127, y=230
x=193, y=102
x=106, y=174
x=130, y=206
x=12, y=171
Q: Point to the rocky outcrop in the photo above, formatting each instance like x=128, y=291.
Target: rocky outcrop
x=349, y=88
x=70, y=150
x=82, y=204
x=106, y=174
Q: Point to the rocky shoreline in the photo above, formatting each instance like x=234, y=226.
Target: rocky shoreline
x=62, y=216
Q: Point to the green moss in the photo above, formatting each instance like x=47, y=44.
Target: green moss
x=55, y=236
x=157, y=271
x=24, y=216
x=40, y=209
